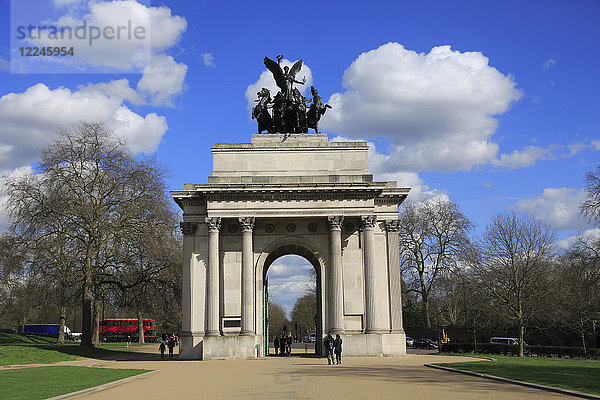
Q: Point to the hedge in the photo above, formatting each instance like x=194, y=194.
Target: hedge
x=511, y=350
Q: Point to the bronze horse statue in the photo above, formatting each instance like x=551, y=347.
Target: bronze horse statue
x=261, y=111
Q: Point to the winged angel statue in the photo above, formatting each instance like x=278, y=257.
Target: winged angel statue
x=289, y=113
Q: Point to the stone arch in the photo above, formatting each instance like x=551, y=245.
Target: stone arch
x=292, y=245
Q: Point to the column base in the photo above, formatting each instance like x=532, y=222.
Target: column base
x=212, y=333
x=230, y=347
x=376, y=331
x=191, y=345
x=247, y=333
x=374, y=345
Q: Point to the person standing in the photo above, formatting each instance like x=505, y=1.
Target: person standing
x=162, y=349
x=276, y=344
x=171, y=345
x=329, y=345
x=289, y=345
x=337, y=348
x=128, y=341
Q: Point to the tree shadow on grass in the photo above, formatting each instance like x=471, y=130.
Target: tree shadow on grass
x=100, y=353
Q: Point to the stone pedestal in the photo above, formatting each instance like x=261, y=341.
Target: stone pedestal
x=229, y=347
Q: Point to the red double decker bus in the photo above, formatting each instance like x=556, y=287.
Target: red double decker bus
x=117, y=330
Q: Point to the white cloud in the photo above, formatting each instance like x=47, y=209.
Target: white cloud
x=549, y=63
x=63, y=3
x=266, y=80
x=158, y=30
x=437, y=109
x=4, y=65
x=118, y=89
x=9, y=174
x=208, y=59
x=557, y=206
x=524, y=158
x=162, y=80
x=29, y=120
x=593, y=234
x=489, y=185
x=288, y=279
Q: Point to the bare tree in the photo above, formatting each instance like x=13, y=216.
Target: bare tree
x=277, y=319
x=304, y=314
x=579, y=279
x=89, y=181
x=591, y=205
x=513, y=263
x=142, y=260
x=432, y=234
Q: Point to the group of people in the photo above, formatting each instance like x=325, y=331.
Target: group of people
x=283, y=344
x=333, y=346
x=168, y=341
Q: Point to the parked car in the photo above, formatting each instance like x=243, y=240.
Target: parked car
x=410, y=342
x=425, y=344
x=506, y=340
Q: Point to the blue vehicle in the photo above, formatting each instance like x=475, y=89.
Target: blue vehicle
x=45, y=329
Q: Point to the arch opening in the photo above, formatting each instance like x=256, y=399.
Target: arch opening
x=287, y=273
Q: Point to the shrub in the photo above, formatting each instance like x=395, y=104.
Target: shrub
x=510, y=350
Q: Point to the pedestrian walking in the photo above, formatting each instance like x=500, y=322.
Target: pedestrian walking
x=282, y=345
x=276, y=344
x=162, y=349
x=289, y=344
x=128, y=341
x=328, y=342
x=337, y=349
x=171, y=345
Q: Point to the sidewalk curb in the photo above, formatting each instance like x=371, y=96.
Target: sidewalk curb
x=515, y=382
x=102, y=387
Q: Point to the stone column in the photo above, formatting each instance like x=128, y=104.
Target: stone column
x=337, y=290
x=371, y=319
x=395, y=282
x=212, y=277
x=247, y=225
x=187, y=310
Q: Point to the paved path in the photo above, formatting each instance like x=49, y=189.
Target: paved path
x=309, y=378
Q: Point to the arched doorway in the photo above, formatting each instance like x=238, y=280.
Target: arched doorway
x=291, y=303
x=284, y=247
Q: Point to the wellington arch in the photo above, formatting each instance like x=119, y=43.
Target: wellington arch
x=290, y=194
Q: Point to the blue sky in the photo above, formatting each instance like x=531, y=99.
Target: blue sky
x=493, y=104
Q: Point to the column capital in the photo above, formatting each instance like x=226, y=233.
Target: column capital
x=188, y=228
x=392, y=225
x=247, y=223
x=368, y=221
x=335, y=222
x=213, y=223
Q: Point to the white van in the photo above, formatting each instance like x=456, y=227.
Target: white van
x=506, y=340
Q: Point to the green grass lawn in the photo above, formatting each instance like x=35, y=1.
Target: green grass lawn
x=579, y=375
x=21, y=338
x=51, y=353
x=45, y=382
x=17, y=355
